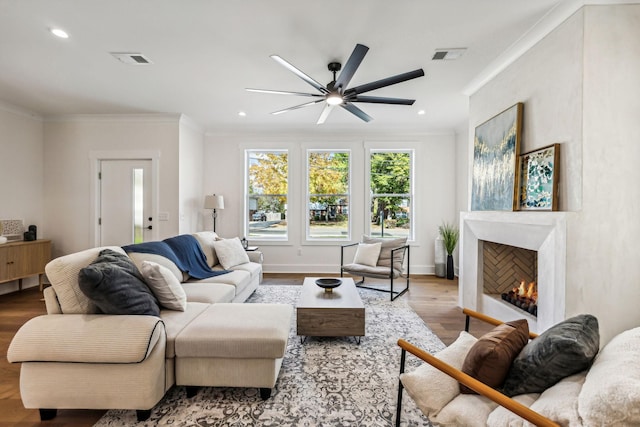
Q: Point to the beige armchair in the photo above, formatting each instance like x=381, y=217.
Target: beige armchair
x=392, y=263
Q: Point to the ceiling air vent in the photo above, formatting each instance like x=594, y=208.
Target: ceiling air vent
x=448, y=54
x=131, y=58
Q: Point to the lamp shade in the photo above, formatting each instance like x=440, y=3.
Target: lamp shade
x=214, y=202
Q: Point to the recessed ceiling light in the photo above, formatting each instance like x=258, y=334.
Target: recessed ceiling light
x=242, y=114
x=422, y=113
x=59, y=33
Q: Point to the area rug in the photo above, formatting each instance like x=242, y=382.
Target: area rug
x=322, y=382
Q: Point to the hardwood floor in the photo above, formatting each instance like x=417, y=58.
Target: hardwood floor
x=433, y=299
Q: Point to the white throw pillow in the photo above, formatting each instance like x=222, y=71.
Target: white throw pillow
x=230, y=252
x=367, y=254
x=431, y=388
x=164, y=285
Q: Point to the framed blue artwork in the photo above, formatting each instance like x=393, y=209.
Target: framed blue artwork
x=496, y=147
x=538, y=183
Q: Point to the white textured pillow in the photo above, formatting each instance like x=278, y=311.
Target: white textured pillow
x=206, y=239
x=610, y=395
x=164, y=285
x=367, y=254
x=431, y=388
x=230, y=252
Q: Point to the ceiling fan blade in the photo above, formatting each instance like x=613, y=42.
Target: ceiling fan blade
x=308, y=104
x=325, y=114
x=300, y=74
x=356, y=111
x=351, y=66
x=385, y=82
x=382, y=100
x=282, y=92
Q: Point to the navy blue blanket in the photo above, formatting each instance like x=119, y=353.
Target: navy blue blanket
x=183, y=250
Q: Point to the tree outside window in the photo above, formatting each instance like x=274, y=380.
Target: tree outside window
x=328, y=194
x=391, y=193
x=267, y=194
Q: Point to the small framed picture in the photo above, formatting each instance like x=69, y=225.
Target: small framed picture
x=538, y=184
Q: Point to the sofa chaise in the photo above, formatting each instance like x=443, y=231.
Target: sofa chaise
x=77, y=358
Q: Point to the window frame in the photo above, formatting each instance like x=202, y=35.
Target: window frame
x=307, y=198
x=370, y=195
x=247, y=196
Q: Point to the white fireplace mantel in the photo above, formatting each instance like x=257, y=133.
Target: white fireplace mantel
x=544, y=232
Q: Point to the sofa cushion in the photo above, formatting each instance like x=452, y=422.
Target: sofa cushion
x=63, y=272
x=562, y=350
x=490, y=358
x=432, y=389
x=176, y=321
x=384, y=260
x=254, y=269
x=610, y=395
x=230, y=252
x=206, y=239
x=139, y=257
x=210, y=293
x=115, y=286
x=164, y=286
x=560, y=402
x=94, y=338
x=367, y=254
x=468, y=410
x=502, y=417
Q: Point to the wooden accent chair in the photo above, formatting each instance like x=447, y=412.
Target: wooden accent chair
x=393, y=262
x=472, y=383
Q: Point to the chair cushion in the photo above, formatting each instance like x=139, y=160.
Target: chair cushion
x=115, y=286
x=562, y=350
x=367, y=254
x=164, y=286
x=377, y=272
x=610, y=395
x=431, y=388
x=384, y=260
x=490, y=358
x=230, y=252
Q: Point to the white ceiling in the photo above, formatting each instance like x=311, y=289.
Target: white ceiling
x=206, y=52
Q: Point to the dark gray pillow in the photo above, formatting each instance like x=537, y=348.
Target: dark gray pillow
x=114, y=284
x=562, y=350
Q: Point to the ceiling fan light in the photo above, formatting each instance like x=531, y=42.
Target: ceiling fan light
x=334, y=99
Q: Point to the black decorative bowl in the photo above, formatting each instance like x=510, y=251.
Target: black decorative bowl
x=328, y=284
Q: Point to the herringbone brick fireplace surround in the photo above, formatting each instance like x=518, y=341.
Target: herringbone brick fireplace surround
x=541, y=257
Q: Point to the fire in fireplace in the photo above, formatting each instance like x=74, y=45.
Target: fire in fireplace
x=524, y=297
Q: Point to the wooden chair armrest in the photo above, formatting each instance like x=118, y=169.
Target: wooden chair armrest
x=487, y=319
x=479, y=387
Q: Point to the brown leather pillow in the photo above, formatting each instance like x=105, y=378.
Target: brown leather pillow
x=491, y=356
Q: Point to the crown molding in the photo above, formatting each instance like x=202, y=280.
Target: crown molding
x=14, y=109
x=151, y=117
x=549, y=22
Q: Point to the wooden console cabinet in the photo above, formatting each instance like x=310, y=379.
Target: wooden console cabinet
x=23, y=259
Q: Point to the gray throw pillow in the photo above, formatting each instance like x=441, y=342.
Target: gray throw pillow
x=114, y=284
x=562, y=350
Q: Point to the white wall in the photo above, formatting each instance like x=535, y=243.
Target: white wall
x=580, y=88
x=435, y=185
x=191, y=160
x=69, y=143
x=21, y=168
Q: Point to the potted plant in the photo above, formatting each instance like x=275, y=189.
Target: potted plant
x=450, y=235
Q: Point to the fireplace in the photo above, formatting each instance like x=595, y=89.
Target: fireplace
x=510, y=273
x=541, y=232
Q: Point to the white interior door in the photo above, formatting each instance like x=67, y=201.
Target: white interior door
x=125, y=202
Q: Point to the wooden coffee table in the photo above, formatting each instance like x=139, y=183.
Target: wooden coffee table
x=339, y=313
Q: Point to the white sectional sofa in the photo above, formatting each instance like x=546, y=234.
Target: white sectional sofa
x=75, y=358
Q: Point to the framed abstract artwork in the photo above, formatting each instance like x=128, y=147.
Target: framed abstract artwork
x=538, y=186
x=496, y=146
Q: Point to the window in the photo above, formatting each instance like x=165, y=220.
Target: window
x=267, y=194
x=328, y=195
x=390, y=177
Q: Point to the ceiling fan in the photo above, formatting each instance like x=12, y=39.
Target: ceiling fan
x=336, y=92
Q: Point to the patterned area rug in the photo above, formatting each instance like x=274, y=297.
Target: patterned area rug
x=322, y=382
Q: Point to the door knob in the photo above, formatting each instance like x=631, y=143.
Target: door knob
x=150, y=227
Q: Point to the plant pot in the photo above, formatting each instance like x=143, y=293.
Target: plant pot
x=450, y=267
